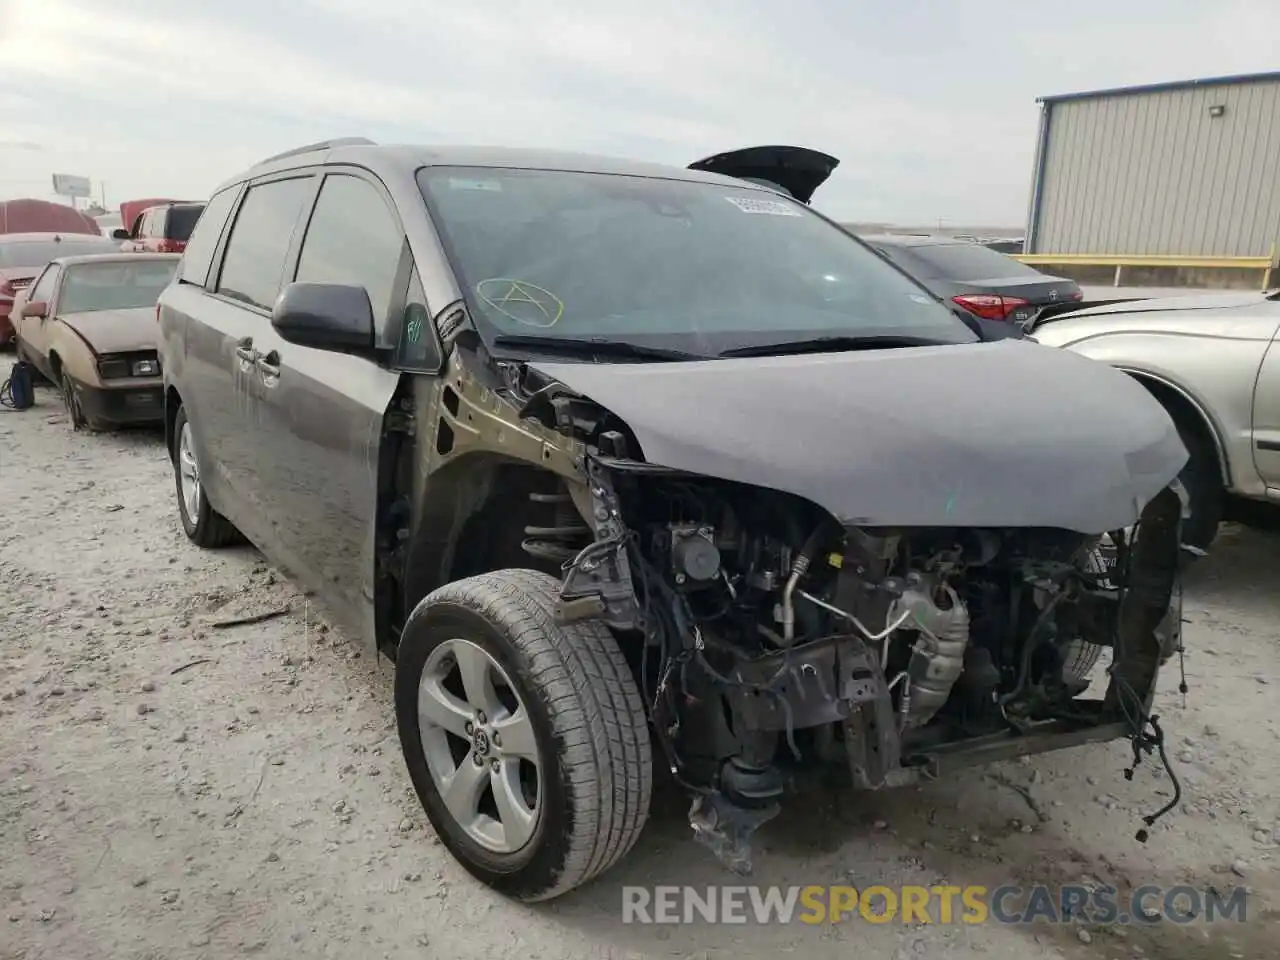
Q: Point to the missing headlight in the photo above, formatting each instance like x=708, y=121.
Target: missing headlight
x=113, y=369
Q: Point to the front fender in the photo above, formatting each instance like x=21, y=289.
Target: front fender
x=76, y=356
x=1214, y=375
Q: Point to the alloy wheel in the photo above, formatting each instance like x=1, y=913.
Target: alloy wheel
x=480, y=746
x=189, y=473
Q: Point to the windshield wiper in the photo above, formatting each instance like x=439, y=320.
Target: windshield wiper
x=594, y=346
x=832, y=344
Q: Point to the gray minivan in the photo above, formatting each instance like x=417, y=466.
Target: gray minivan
x=618, y=461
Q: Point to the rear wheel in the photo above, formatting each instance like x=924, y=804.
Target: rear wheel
x=204, y=526
x=526, y=739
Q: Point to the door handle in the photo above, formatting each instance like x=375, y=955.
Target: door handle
x=245, y=351
x=269, y=364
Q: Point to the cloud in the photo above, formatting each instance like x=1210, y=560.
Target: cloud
x=931, y=108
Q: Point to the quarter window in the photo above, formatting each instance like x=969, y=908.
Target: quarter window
x=253, y=267
x=204, y=238
x=353, y=239
x=42, y=289
x=415, y=345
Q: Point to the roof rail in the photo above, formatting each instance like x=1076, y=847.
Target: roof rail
x=321, y=145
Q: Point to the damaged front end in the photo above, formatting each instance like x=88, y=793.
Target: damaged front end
x=773, y=643
x=779, y=638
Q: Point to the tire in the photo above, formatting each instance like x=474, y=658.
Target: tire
x=75, y=414
x=203, y=525
x=1202, y=478
x=588, y=726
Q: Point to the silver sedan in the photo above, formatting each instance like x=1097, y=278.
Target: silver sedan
x=1214, y=363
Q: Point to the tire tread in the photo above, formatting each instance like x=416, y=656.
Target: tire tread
x=596, y=710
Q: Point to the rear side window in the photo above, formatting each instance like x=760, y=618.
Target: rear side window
x=353, y=239
x=181, y=221
x=204, y=238
x=969, y=261
x=254, y=264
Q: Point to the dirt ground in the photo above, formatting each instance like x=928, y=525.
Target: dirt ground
x=173, y=788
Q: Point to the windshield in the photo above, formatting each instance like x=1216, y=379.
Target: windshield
x=36, y=253
x=701, y=267
x=968, y=261
x=89, y=287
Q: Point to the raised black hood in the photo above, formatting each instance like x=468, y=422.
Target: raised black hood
x=797, y=170
x=1006, y=434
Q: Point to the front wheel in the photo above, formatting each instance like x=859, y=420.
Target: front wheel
x=526, y=739
x=71, y=401
x=1206, y=494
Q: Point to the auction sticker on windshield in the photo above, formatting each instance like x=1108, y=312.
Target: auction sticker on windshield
x=459, y=183
x=775, y=208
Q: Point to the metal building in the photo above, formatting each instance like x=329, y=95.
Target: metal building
x=1180, y=170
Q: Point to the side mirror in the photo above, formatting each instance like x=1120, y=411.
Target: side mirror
x=36, y=308
x=119, y=233
x=326, y=316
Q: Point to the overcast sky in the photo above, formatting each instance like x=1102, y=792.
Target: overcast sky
x=930, y=106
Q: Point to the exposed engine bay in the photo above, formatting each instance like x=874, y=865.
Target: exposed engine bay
x=772, y=643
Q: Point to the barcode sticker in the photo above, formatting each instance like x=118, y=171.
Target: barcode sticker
x=772, y=208
x=490, y=186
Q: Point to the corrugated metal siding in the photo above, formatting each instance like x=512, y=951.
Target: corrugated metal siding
x=1153, y=173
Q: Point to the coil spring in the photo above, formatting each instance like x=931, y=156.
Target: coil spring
x=563, y=541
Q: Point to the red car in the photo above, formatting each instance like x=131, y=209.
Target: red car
x=130, y=210
x=163, y=228
x=23, y=255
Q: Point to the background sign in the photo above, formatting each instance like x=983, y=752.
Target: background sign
x=67, y=185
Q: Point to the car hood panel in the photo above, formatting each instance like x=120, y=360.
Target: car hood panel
x=115, y=331
x=1229, y=300
x=1248, y=316
x=987, y=435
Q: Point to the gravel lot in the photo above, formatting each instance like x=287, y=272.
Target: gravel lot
x=172, y=788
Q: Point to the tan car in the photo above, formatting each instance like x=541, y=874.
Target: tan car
x=88, y=325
